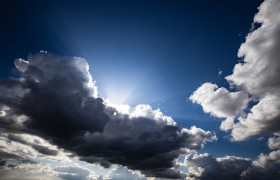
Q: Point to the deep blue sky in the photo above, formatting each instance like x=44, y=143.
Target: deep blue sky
x=152, y=52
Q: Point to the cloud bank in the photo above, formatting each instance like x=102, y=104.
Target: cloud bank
x=54, y=98
x=206, y=167
x=255, y=79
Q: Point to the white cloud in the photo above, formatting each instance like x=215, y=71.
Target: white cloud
x=121, y=173
x=258, y=76
x=122, y=108
x=219, y=102
x=145, y=110
x=262, y=119
x=274, y=142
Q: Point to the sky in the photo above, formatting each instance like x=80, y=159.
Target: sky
x=143, y=90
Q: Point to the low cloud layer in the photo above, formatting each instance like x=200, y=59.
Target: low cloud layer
x=54, y=98
x=255, y=79
x=206, y=167
x=28, y=170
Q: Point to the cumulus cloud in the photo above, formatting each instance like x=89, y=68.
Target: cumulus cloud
x=274, y=142
x=266, y=167
x=257, y=77
x=54, y=98
x=219, y=102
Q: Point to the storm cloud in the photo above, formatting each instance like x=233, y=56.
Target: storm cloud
x=55, y=98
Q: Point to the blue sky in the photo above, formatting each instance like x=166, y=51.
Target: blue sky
x=157, y=53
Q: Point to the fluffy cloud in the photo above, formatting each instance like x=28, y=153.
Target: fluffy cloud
x=55, y=99
x=219, y=102
x=274, y=142
x=256, y=77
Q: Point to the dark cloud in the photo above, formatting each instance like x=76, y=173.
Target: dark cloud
x=266, y=167
x=205, y=167
x=2, y=163
x=6, y=155
x=56, y=99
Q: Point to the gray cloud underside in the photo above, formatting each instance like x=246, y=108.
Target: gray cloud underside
x=55, y=98
x=206, y=167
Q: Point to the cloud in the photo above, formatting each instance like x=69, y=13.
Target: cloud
x=204, y=167
x=257, y=76
x=24, y=146
x=28, y=171
x=75, y=172
x=274, y=142
x=265, y=167
x=220, y=72
x=54, y=98
x=35, y=143
x=121, y=173
x=219, y=102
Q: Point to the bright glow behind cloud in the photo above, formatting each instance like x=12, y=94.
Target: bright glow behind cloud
x=60, y=104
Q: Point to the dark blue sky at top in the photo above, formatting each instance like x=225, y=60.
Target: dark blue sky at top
x=151, y=52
